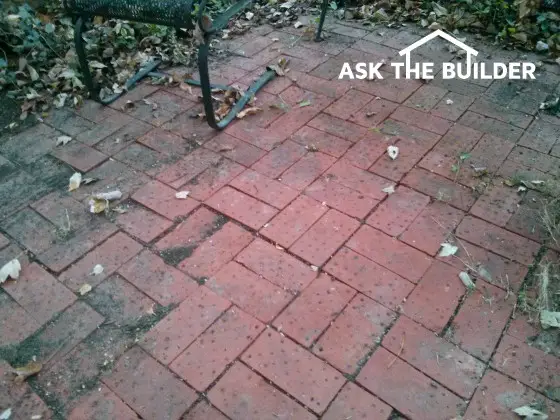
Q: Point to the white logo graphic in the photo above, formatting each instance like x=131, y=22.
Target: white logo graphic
x=425, y=70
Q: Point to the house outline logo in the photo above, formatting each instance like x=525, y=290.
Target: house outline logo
x=406, y=51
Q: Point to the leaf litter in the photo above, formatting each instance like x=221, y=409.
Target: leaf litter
x=10, y=270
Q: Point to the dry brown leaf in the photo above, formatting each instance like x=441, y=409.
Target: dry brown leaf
x=24, y=372
x=85, y=289
x=248, y=111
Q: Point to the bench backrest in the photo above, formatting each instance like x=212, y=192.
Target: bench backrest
x=177, y=13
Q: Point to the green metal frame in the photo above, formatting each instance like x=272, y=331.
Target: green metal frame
x=150, y=68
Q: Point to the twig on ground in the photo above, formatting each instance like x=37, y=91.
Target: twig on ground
x=398, y=354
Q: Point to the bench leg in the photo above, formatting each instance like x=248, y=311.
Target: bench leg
x=207, y=91
x=324, y=8
x=88, y=79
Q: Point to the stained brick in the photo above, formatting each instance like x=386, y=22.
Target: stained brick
x=123, y=137
x=144, y=393
x=242, y=394
x=100, y=131
x=497, y=204
x=353, y=334
x=506, y=115
x=452, y=111
x=373, y=113
x=212, y=179
x=527, y=364
x=262, y=138
x=276, y=266
x=489, y=401
x=283, y=362
x=434, y=300
x=159, y=107
x=358, y=179
x=102, y=403
x=426, y=97
x=204, y=411
x=143, y=224
x=180, y=242
x=306, y=170
x=491, y=126
x=4, y=242
x=312, y=311
x=237, y=150
x=440, y=188
x=432, y=227
x=144, y=159
x=265, y=189
x=216, y=251
x=434, y=356
x=39, y=293
x=94, y=111
x=278, y=160
x=366, y=151
x=15, y=323
x=31, y=230
x=30, y=145
x=481, y=320
x=161, y=199
x=190, y=128
x=413, y=134
x=163, y=283
x=422, y=120
x=395, y=90
x=113, y=253
x=286, y=227
x=349, y=104
x=322, y=240
x=410, y=152
x=353, y=402
x=333, y=89
x=205, y=359
x=79, y=156
x=241, y=207
x=390, y=253
x=498, y=240
x=533, y=159
x=250, y=292
x=324, y=142
x=338, y=127
x=183, y=325
x=189, y=167
x=398, y=211
x=420, y=398
x=344, y=199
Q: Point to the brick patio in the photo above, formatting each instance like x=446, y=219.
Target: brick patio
x=288, y=285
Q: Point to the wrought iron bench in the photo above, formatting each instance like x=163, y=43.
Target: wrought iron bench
x=174, y=13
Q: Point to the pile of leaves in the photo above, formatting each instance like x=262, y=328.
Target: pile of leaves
x=519, y=23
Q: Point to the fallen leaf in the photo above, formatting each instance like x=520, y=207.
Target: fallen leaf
x=75, y=181
x=393, y=152
x=449, y=102
x=86, y=181
x=97, y=206
x=6, y=414
x=63, y=140
x=530, y=413
x=248, y=111
x=150, y=310
x=97, y=269
x=85, y=289
x=11, y=269
x=24, y=372
x=466, y=279
x=550, y=319
x=389, y=190
x=306, y=102
x=314, y=268
x=447, y=250
x=182, y=195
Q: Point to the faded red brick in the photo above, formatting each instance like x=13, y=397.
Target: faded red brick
x=241, y=207
x=390, y=253
x=216, y=251
x=205, y=359
x=237, y=150
x=324, y=142
x=419, y=397
x=212, y=179
x=353, y=402
x=498, y=240
x=398, y=211
x=434, y=356
x=358, y=179
x=189, y=167
x=410, y=152
x=435, y=298
x=276, y=266
x=292, y=222
x=15, y=323
x=111, y=254
x=421, y=119
x=426, y=97
x=478, y=325
x=349, y=104
x=491, y=126
x=144, y=394
x=497, y=204
x=373, y=113
x=204, y=411
x=279, y=159
x=353, y=334
x=306, y=170
x=143, y=224
x=102, y=403
x=183, y=325
x=39, y=293
x=312, y=311
x=322, y=240
x=242, y=394
x=369, y=278
x=282, y=361
x=337, y=127
x=265, y=189
x=432, y=227
x=161, y=199
x=252, y=293
x=79, y=156
x=366, y=151
x=342, y=198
